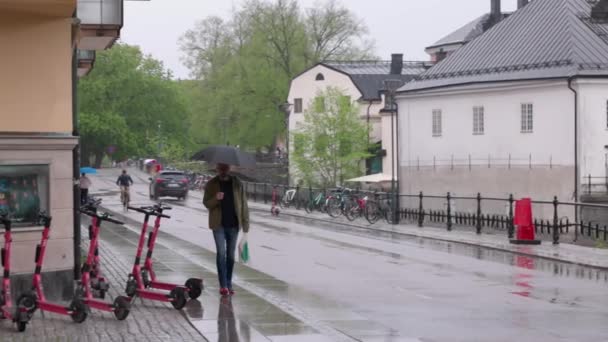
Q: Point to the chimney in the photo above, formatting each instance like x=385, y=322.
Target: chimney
x=599, y=12
x=396, y=63
x=521, y=3
x=496, y=11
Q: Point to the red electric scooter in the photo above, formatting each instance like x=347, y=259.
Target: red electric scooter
x=99, y=284
x=142, y=279
x=77, y=309
x=22, y=314
x=121, y=305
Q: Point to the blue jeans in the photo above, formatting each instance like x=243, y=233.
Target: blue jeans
x=225, y=246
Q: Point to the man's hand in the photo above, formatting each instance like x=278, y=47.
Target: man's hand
x=219, y=196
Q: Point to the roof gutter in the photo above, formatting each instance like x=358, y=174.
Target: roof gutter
x=576, y=166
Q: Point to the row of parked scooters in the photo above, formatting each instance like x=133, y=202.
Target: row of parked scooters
x=92, y=288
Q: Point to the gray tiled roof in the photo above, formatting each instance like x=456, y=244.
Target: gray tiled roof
x=466, y=33
x=545, y=39
x=369, y=76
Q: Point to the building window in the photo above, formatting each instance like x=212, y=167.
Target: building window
x=297, y=106
x=24, y=192
x=478, y=124
x=527, y=117
x=437, y=128
x=320, y=77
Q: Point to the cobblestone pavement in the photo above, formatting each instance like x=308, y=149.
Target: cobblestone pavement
x=146, y=322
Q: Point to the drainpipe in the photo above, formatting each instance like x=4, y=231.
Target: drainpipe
x=368, y=167
x=76, y=165
x=397, y=156
x=368, y=119
x=576, y=166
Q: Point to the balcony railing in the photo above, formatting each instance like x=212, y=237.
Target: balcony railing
x=100, y=12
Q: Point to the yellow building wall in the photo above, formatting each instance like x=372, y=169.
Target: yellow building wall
x=35, y=74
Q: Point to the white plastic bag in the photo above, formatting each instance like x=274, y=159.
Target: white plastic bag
x=244, y=249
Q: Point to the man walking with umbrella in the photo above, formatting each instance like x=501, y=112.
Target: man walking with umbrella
x=226, y=199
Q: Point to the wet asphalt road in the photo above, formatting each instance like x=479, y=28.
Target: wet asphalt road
x=374, y=288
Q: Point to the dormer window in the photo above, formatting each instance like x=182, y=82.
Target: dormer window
x=320, y=77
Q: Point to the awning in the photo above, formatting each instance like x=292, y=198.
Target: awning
x=150, y=161
x=377, y=178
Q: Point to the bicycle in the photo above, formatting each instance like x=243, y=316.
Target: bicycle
x=355, y=207
x=336, y=202
x=125, y=197
x=288, y=198
x=317, y=202
x=379, y=208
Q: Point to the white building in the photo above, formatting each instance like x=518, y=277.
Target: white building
x=521, y=109
x=363, y=81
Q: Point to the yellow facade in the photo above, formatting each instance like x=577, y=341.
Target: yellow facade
x=36, y=73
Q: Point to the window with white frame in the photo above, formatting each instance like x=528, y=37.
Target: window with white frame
x=437, y=128
x=527, y=117
x=478, y=124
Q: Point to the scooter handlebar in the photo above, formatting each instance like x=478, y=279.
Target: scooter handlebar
x=153, y=211
x=109, y=219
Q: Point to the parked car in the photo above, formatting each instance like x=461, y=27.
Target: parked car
x=169, y=183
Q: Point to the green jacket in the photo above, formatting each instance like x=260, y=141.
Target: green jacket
x=215, y=209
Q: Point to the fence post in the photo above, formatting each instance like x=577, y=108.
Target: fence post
x=449, y=197
x=511, y=226
x=555, y=222
x=265, y=193
x=421, y=211
x=478, y=221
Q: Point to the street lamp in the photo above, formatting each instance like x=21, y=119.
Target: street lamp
x=392, y=107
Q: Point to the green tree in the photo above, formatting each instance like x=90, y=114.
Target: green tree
x=244, y=65
x=135, y=89
x=332, y=142
x=104, y=133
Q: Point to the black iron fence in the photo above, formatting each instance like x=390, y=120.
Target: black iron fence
x=594, y=185
x=554, y=220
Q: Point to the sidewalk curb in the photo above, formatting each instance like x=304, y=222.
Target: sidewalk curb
x=437, y=238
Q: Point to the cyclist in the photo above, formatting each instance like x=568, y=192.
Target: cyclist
x=124, y=181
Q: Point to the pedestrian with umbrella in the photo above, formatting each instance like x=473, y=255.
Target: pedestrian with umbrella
x=226, y=199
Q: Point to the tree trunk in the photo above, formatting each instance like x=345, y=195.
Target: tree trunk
x=98, y=160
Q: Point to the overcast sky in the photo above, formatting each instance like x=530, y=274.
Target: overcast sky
x=403, y=26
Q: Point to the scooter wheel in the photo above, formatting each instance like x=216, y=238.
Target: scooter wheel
x=195, y=287
x=79, y=311
x=122, y=307
x=21, y=326
x=179, y=298
x=28, y=301
x=131, y=289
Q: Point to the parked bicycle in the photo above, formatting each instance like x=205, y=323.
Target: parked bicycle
x=318, y=202
x=336, y=201
x=355, y=206
x=379, y=208
x=289, y=198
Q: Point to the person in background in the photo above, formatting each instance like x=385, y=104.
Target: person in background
x=85, y=184
x=226, y=200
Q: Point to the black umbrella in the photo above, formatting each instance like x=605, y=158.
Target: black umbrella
x=220, y=154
